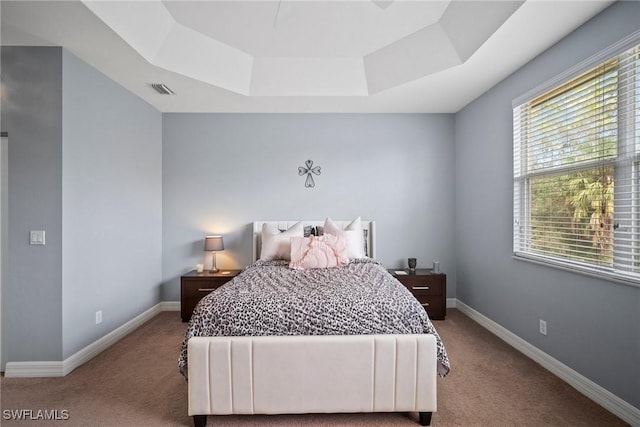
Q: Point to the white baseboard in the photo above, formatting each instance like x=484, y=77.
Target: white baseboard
x=34, y=369
x=593, y=391
x=60, y=369
x=170, y=306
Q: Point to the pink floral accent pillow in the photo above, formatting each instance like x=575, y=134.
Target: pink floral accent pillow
x=324, y=251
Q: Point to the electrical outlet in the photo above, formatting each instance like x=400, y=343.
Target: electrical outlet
x=36, y=237
x=98, y=316
x=543, y=327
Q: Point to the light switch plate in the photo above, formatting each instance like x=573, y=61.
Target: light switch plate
x=36, y=237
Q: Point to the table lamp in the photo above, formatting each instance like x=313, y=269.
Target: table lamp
x=213, y=244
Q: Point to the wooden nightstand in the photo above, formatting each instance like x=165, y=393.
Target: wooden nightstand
x=194, y=286
x=429, y=288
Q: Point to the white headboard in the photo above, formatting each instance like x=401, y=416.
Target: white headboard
x=370, y=226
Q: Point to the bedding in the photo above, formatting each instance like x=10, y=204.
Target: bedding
x=269, y=298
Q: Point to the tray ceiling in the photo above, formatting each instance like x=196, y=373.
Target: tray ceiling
x=299, y=56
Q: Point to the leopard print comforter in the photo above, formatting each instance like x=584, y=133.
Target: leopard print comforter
x=269, y=298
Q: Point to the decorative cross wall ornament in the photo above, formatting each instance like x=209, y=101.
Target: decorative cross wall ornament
x=309, y=170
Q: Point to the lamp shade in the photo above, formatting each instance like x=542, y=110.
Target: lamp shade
x=213, y=243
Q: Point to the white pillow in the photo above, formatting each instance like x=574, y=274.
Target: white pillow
x=277, y=244
x=352, y=233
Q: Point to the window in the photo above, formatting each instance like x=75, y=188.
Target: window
x=577, y=168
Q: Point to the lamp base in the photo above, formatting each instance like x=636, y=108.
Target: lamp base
x=214, y=269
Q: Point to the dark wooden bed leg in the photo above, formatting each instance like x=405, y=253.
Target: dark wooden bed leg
x=425, y=418
x=199, y=420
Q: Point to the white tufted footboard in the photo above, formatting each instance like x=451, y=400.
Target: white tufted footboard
x=312, y=374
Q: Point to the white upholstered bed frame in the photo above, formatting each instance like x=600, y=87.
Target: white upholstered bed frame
x=312, y=374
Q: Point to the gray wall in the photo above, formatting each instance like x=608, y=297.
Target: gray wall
x=84, y=165
x=223, y=171
x=32, y=115
x=593, y=325
x=112, y=204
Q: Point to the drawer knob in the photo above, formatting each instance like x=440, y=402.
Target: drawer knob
x=420, y=288
x=426, y=304
x=206, y=289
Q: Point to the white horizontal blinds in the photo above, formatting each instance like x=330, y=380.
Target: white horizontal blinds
x=576, y=169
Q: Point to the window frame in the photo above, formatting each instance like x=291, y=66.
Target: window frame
x=521, y=190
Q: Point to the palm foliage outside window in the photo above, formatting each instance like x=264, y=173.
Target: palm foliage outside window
x=576, y=170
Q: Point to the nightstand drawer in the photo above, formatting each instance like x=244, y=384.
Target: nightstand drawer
x=423, y=285
x=433, y=305
x=196, y=285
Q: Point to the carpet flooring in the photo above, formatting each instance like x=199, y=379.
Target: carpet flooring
x=136, y=383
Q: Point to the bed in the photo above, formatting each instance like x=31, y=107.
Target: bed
x=286, y=337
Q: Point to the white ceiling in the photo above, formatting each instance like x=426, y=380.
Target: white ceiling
x=300, y=56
